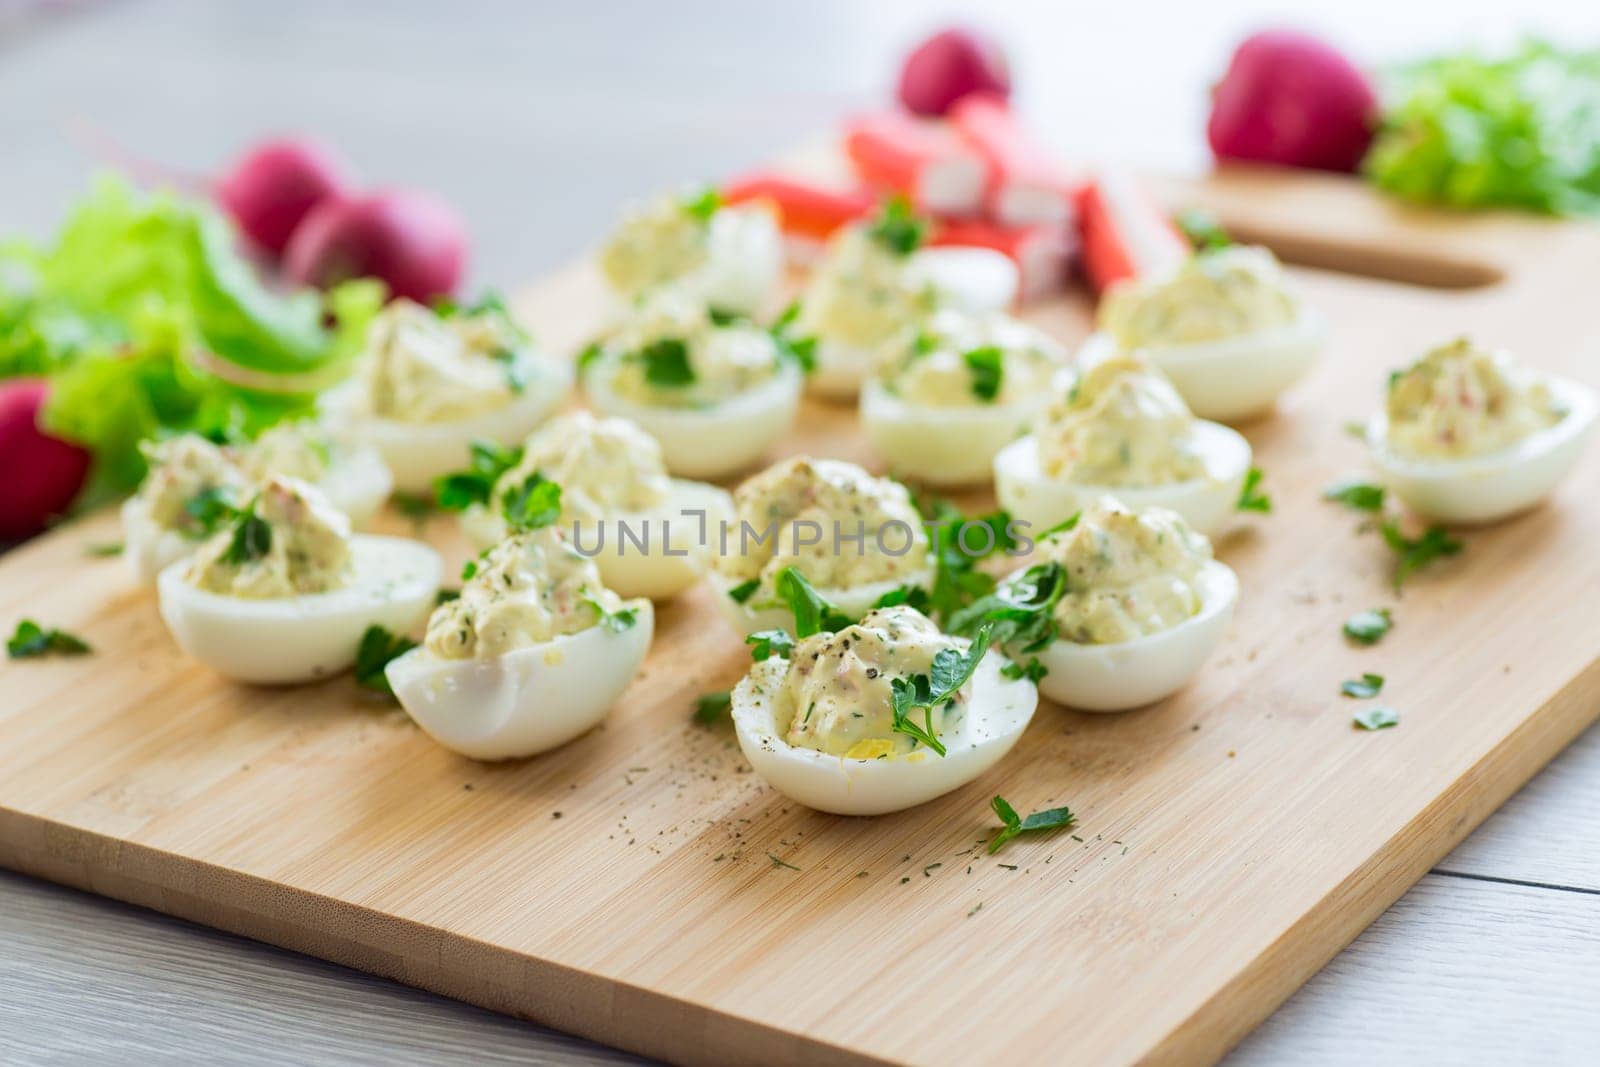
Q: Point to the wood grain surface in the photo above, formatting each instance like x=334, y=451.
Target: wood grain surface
x=626, y=887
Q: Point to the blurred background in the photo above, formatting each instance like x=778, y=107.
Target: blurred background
x=536, y=120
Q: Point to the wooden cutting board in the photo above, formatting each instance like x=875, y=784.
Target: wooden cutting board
x=641, y=887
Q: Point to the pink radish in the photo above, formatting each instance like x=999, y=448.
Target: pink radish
x=949, y=65
x=40, y=475
x=272, y=187
x=412, y=241
x=1292, y=99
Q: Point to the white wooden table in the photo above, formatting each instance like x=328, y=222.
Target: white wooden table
x=538, y=121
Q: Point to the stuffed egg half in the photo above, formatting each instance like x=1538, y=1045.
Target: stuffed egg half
x=1119, y=427
x=283, y=592
x=1224, y=326
x=430, y=384
x=948, y=396
x=533, y=652
x=649, y=534
x=1468, y=435
x=819, y=725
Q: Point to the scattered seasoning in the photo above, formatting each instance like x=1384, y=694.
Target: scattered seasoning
x=30, y=640
x=1368, y=627
x=903, y=881
x=1356, y=428
x=103, y=549
x=975, y=909
x=1376, y=718
x=1007, y=866
x=861, y=874
x=776, y=862
x=927, y=872
x=1363, y=688
x=555, y=815
x=1355, y=494
x=1049, y=819
x=1250, y=498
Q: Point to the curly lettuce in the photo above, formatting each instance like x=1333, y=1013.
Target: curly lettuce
x=148, y=321
x=1519, y=131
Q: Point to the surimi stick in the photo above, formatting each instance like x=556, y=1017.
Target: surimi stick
x=1041, y=253
x=1025, y=185
x=920, y=159
x=805, y=209
x=1125, y=234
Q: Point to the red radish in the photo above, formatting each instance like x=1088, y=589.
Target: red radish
x=949, y=65
x=412, y=241
x=273, y=186
x=40, y=475
x=1290, y=98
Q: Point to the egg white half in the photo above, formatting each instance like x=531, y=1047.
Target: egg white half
x=148, y=547
x=979, y=280
x=1206, y=503
x=419, y=452
x=675, y=548
x=716, y=440
x=1234, y=378
x=357, y=482
x=941, y=446
x=526, y=701
x=1481, y=489
x=994, y=717
x=303, y=638
x=755, y=615
x=1131, y=674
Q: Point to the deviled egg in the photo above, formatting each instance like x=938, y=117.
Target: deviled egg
x=533, y=652
x=430, y=384
x=1120, y=427
x=649, y=534
x=729, y=257
x=876, y=281
x=947, y=396
x=852, y=536
x=716, y=392
x=1129, y=604
x=1469, y=435
x=1224, y=325
x=820, y=725
x=194, y=485
x=284, y=592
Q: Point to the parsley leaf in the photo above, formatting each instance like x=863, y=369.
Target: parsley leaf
x=709, y=708
x=252, y=538
x=812, y=613
x=956, y=579
x=1368, y=627
x=1021, y=610
x=666, y=363
x=1249, y=497
x=1356, y=494
x=612, y=621
x=1049, y=819
x=31, y=640
x=210, y=509
x=764, y=644
x=1202, y=230
x=949, y=671
x=987, y=365
x=1416, y=553
x=742, y=592
x=378, y=647
x=414, y=506
x=1363, y=688
x=1376, y=718
x=103, y=549
x=1033, y=671
x=462, y=489
x=533, y=504
x=803, y=350
x=910, y=595
x=897, y=227
x=703, y=204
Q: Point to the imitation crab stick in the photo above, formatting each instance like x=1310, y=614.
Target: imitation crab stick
x=806, y=209
x=921, y=159
x=1025, y=185
x=1041, y=253
x=1125, y=233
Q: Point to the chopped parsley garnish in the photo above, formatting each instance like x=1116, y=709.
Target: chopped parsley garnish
x=703, y=204
x=666, y=363
x=589, y=353
x=1202, y=230
x=414, y=506
x=103, y=549
x=803, y=350
x=1021, y=611
x=1376, y=718
x=1368, y=627
x=925, y=692
x=31, y=640
x=1356, y=494
x=533, y=504
x=462, y=489
x=764, y=644
x=378, y=647
x=1413, y=554
x=1250, y=496
x=1066, y=525
x=742, y=592
x=1033, y=671
x=516, y=371
x=444, y=596
x=812, y=612
x=987, y=366
x=1049, y=819
x=612, y=621
x=956, y=578
x=910, y=595
x=710, y=708
x=1363, y=688
x=252, y=538
x=897, y=227
x=211, y=509
x=776, y=862
x=469, y=570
